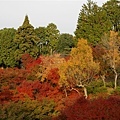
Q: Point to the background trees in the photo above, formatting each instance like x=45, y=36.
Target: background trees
x=52, y=35
x=26, y=40
x=92, y=23
x=7, y=47
x=112, y=8
x=65, y=43
x=111, y=44
x=48, y=38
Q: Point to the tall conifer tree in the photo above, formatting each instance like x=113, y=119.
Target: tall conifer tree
x=112, y=8
x=26, y=40
x=92, y=23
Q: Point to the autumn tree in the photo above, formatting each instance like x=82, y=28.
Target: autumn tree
x=98, y=53
x=111, y=44
x=80, y=69
x=26, y=40
x=92, y=23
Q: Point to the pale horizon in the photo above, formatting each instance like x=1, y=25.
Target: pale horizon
x=64, y=14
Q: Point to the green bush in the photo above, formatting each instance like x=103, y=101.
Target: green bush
x=28, y=110
x=110, y=84
x=96, y=87
x=116, y=91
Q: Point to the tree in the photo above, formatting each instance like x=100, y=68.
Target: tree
x=112, y=8
x=98, y=53
x=111, y=44
x=52, y=35
x=92, y=23
x=80, y=69
x=65, y=43
x=29, y=110
x=7, y=47
x=43, y=43
x=26, y=40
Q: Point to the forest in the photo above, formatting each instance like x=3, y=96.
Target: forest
x=45, y=75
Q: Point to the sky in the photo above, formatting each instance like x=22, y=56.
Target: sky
x=63, y=13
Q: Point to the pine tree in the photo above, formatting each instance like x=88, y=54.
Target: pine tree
x=92, y=23
x=112, y=8
x=26, y=40
x=52, y=35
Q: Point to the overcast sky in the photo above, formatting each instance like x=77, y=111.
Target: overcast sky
x=63, y=13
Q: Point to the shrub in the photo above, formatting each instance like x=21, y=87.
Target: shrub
x=28, y=110
x=116, y=91
x=96, y=87
x=97, y=109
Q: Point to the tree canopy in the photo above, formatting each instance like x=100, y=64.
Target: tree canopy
x=92, y=23
x=7, y=47
x=26, y=40
x=65, y=43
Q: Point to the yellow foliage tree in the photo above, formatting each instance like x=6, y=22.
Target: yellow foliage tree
x=111, y=44
x=80, y=69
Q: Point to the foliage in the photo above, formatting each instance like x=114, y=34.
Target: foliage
x=96, y=87
x=48, y=63
x=26, y=40
x=97, y=109
x=116, y=91
x=43, y=43
x=52, y=35
x=12, y=77
x=92, y=23
x=112, y=54
x=80, y=69
x=112, y=9
x=28, y=110
x=65, y=43
x=7, y=48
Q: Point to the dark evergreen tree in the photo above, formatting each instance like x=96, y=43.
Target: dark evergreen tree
x=43, y=43
x=92, y=23
x=26, y=40
x=65, y=43
x=52, y=35
x=7, y=47
x=40, y=32
x=112, y=8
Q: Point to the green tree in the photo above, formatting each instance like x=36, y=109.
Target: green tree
x=92, y=23
x=26, y=40
x=112, y=8
x=65, y=43
x=43, y=43
x=7, y=47
x=52, y=35
x=28, y=110
x=40, y=32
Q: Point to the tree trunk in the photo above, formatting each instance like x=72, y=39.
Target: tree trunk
x=116, y=76
x=103, y=79
x=65, y=92
x=85, y=92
